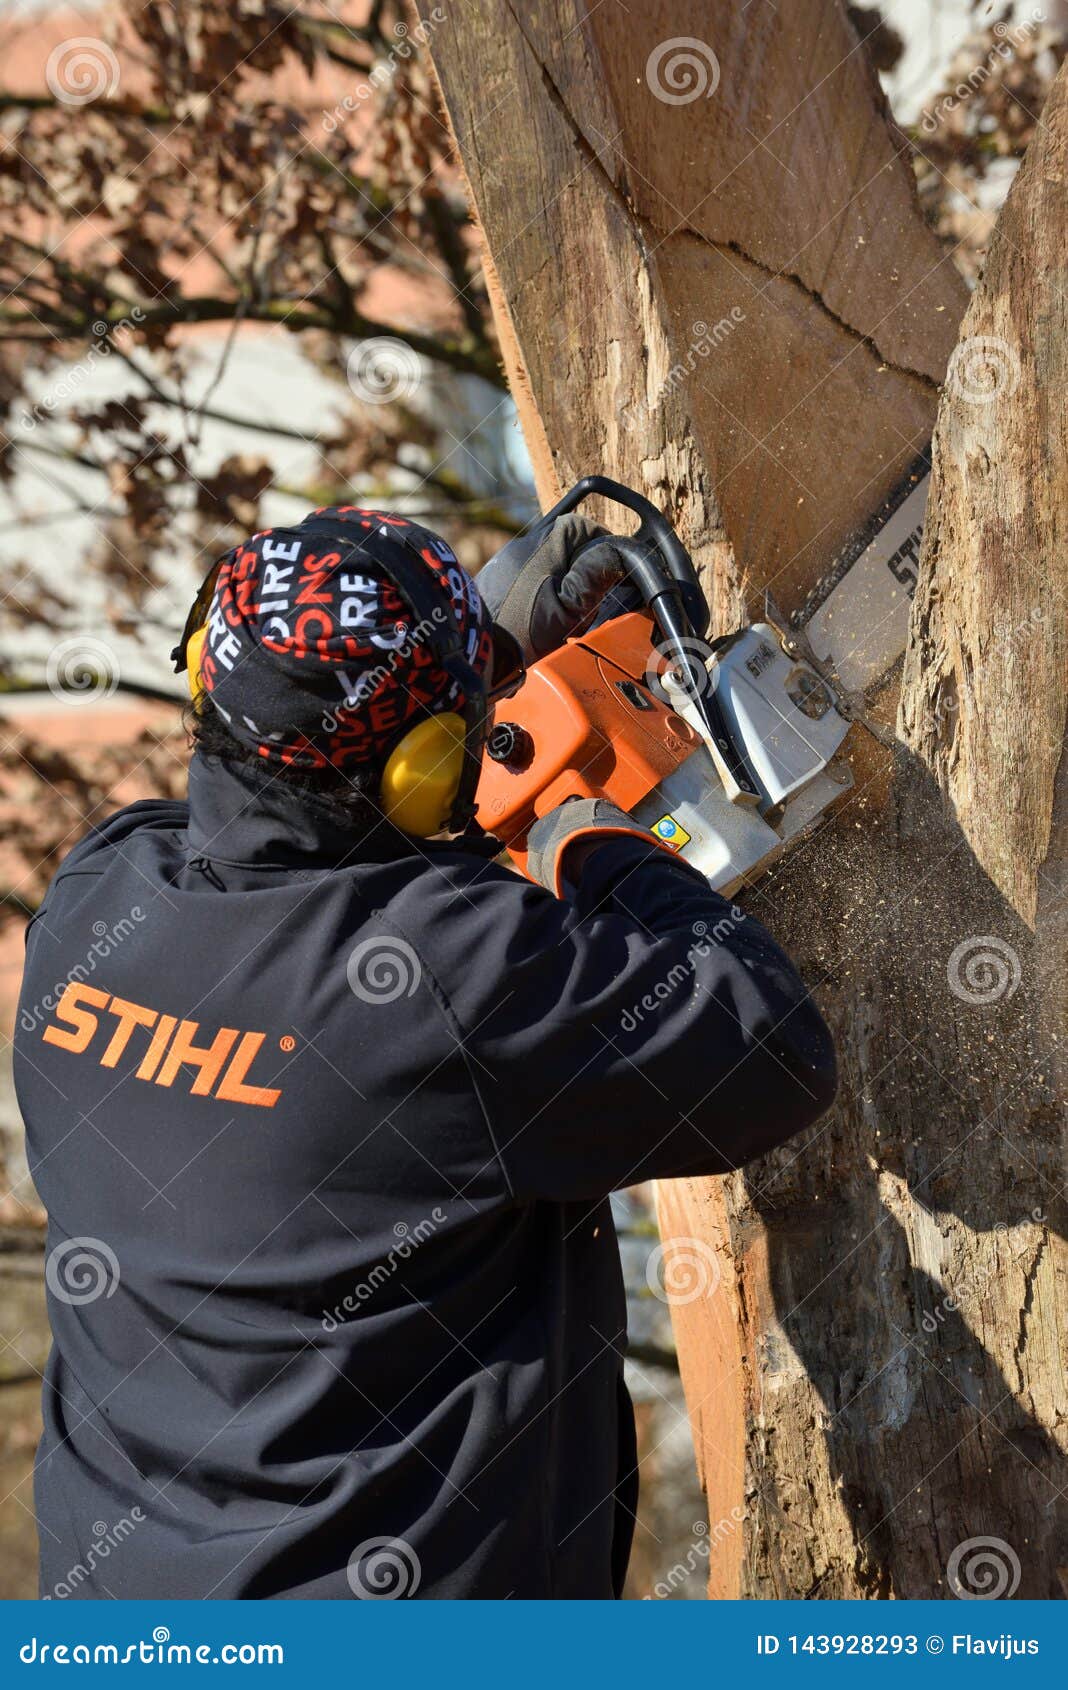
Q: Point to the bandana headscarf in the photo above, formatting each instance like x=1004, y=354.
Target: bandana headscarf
x=311, y=655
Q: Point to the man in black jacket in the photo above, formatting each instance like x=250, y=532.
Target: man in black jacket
x=326, y=1129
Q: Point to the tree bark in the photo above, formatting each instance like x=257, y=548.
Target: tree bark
x=729, y=300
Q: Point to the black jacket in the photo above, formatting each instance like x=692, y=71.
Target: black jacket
x=325, y=1133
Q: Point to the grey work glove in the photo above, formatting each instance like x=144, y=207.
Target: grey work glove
x=579, y=821
x=546, y=585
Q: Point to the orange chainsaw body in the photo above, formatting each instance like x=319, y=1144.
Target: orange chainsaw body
x=595, y=731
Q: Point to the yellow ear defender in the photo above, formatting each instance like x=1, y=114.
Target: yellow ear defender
x=188, y=654
x=194, y=652
x=422, y=775
x=429, y=781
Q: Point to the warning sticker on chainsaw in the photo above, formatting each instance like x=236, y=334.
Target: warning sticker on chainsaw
x=671, y=832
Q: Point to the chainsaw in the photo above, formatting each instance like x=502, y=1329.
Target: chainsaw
x=726, y=749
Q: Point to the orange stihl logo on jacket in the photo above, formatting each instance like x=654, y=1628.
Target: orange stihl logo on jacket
x=221, y=1070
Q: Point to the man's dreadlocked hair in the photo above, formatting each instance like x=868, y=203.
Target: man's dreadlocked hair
x=348, y=800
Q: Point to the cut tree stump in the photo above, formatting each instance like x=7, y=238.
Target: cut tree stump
x=712, y=281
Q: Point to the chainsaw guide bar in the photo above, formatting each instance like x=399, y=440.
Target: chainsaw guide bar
x=856, y=619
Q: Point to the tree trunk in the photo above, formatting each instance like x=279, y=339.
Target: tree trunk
x=712, y=282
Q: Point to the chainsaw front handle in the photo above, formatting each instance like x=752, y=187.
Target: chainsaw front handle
x=656, y=560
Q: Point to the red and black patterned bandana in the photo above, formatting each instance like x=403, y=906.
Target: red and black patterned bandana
x=312, y=657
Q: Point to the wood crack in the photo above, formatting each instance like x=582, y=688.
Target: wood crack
x=816, y=299
x=641, y=221
x=1030, y=1279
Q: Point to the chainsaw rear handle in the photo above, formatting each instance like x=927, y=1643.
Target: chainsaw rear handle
x=656, y=560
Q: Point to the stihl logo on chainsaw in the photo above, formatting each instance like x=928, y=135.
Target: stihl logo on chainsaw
x=760, y=660
x=220, y=1067
x=905, y=562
